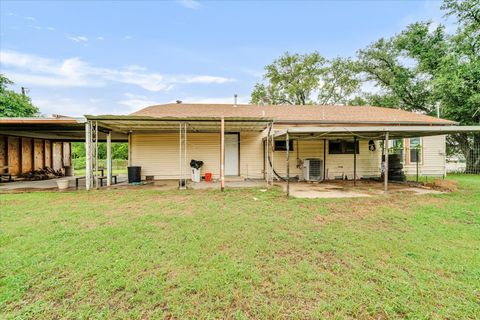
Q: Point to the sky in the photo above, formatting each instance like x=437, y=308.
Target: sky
x=115, y=57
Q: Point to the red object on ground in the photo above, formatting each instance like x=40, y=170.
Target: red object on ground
x=208, y=176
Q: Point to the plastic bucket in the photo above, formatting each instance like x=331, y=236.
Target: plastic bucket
x=195, y=175
x=208, y=176
x=62, y=184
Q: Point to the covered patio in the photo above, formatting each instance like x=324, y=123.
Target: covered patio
x=355, y=133
x=182, y=127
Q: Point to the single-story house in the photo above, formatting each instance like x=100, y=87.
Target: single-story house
x=274, y=142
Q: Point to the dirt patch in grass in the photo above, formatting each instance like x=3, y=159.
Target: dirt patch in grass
x=443, y=185
x=361, y=208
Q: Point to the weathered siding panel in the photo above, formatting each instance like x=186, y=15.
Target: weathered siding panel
x=48, y=153
x=66, y=154
x=57, y=155
x=14, y=155
x=3, y=152
x=27, y=154
x=38, y=154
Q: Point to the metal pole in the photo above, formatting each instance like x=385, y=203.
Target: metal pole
x=222, y=154
x=385, y=174
x=96, y=154
x=267, y=165
x=88, y=152
x=273, y=157
x=354, y=161
x=185, y=155
x=324, y=159
x=416, y=151
x=288, y=163
x=180, y=182
x=109, y=158
x=129, y=145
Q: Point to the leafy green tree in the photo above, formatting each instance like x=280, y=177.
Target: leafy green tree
x=307, y=79
x=401, y=86
x=425, y=67
x=291, y=79
x=339, y=82
x=13, y=104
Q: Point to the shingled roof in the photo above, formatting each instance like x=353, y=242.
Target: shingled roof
x=290, y=113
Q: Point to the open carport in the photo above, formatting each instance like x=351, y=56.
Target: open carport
x=30, y=144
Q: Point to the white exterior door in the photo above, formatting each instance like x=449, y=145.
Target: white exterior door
x=231, y=154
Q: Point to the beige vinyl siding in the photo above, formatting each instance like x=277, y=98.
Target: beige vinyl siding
x=158, y=154
x=368, y=162
x=433, y=158
x=251, y=155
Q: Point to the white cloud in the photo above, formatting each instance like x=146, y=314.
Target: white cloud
x=190, y=4
x=30, y=18
x=78, y=38
x=128, y=37
x=74, y=72
x=66, y=106
x=135, y=102
x=100, y=38
x=51, y=28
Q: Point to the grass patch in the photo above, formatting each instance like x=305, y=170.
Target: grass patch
x=138, y=254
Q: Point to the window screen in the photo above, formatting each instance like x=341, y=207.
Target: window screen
x=343, y=147
x=281, y=145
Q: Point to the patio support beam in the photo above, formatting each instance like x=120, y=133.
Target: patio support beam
x=324, y=159
x=288, y=162
x=129, y=149
x=385, y=166
x=96, y=155
x=88, y=151
x=354, y=160
x=222, y=154
x=109, y=158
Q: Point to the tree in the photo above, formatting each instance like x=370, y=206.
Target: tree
x=307, y=79
x=424, y=67
x=339, y=82
x=13, y=104
x=292, y=79
x=401, y=86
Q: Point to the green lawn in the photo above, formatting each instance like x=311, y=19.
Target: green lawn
x=139, y=254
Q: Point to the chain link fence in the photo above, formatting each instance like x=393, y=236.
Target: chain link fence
x=463, y=154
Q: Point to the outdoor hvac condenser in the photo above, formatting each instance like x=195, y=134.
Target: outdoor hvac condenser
x=313, y=169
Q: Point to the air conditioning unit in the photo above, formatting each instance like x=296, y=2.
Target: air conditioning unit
x=313, y=169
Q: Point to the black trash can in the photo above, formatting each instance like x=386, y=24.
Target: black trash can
x=134, y=174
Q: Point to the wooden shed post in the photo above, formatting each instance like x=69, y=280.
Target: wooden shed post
x=88, y=152
x=324, y=159
x=109, y=158
x=385, y=166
